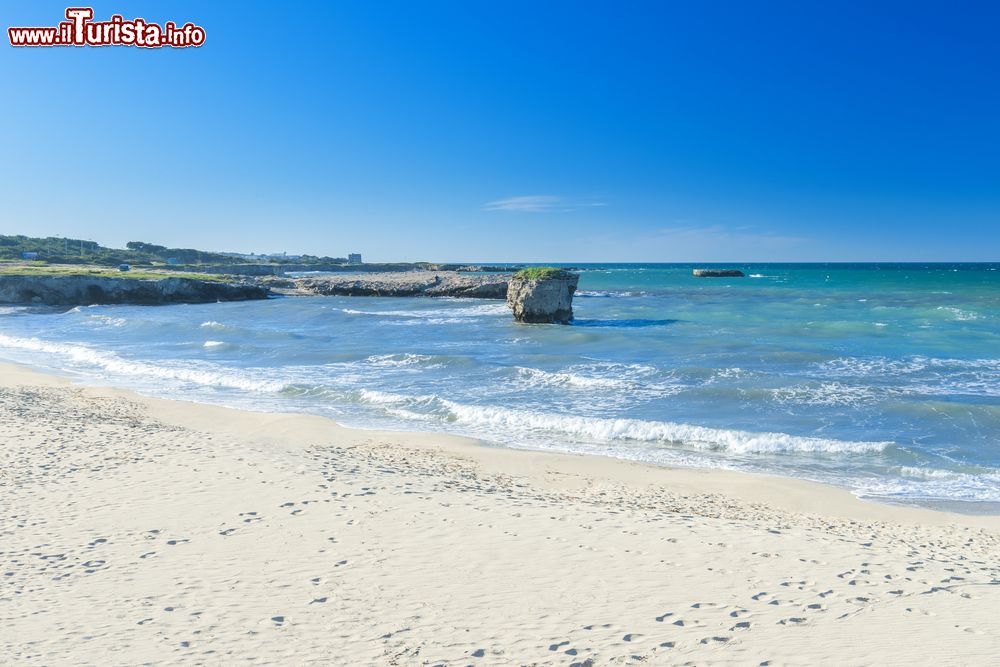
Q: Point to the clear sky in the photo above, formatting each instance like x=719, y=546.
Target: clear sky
x=517, y=131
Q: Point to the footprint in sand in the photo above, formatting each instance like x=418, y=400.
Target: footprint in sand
x=920, y=611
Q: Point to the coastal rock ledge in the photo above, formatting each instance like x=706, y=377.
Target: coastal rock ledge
x=91, y=290
x=542, y=296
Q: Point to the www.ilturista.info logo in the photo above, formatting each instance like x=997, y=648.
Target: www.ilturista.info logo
x=81, y=30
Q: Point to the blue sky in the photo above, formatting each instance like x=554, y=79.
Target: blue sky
x=518, y=131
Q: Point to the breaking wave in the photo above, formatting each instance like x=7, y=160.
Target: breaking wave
x=198, y=373
x=512, y=422
x=482, y=310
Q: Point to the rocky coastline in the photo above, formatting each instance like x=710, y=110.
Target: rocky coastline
x=548, y=300
x=84, y=290
x=409, y=283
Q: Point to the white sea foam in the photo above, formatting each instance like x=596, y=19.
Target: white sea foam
x=924, y=473
x=829, y=394
x=606, y=293
x=397, y=360
x=505, y=423
x=883, y=366
x=539, y=378
x=959, y=314
x=214, y=343
x=627, y=379
x=921, y=375
x=182, y=371
x=935, y=484
x=479, y=310
x=105, y=320
x=733, y=372
x=418, y=321
x=610, y=430
x=212, y=324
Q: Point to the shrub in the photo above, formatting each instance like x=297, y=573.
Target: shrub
x=541, y=273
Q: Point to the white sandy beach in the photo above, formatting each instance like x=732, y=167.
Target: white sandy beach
x=141, y=531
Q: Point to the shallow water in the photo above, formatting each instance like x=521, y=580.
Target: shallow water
x=881, y=378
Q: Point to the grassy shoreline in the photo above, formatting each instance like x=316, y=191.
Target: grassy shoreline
x=90, y=271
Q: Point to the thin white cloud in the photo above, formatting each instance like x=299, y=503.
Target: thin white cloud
x=538, y=204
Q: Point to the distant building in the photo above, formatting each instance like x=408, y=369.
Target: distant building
x=29, y=255
x=354, y=258
x=173, y=260
x=124, y=267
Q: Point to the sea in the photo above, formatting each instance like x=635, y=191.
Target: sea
x=880, y=378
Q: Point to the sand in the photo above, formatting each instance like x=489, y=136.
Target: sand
x=135, y=530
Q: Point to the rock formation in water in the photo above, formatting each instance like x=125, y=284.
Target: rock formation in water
x=410, y=283
x=543, y=296
x=717, y=273
x=81, y=290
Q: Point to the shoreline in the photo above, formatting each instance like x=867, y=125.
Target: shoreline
x=160, y=531
x=728, y=480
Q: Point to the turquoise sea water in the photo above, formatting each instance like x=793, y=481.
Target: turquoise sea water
x=881, y=378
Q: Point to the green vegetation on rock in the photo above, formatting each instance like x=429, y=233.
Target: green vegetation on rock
x=541, y=273
x=101, y=272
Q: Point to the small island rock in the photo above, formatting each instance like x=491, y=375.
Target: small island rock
x=717, y=273
x=542, y=296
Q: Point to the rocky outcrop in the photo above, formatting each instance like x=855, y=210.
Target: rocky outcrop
x=89, y=290
x=274, y=269
x=544, y=299
x=410, y=283
x=717, y=273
